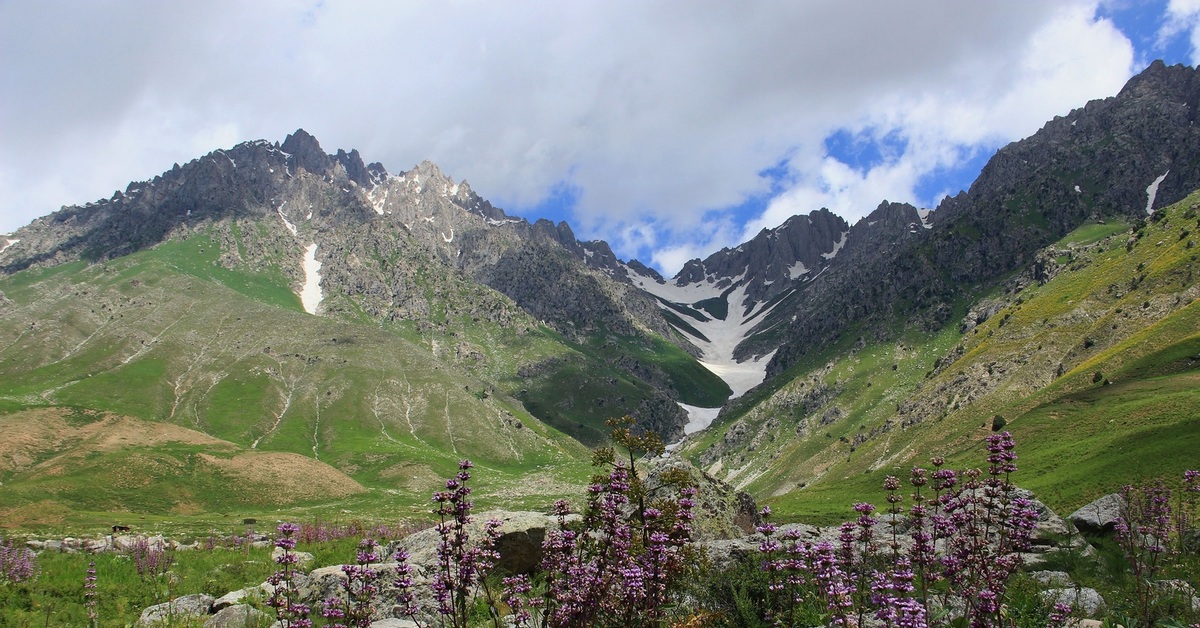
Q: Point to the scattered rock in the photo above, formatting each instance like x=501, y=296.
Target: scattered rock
x=392, y=622
x=237, y=616
x=196, y=605
x=1082, y=599
x=304, y=560
x=1099, y=516
x=1058, y=579
x=235, y=597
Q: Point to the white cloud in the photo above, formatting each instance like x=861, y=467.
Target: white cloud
x=1183, y=16
x=1059, y=66
x=661, y=114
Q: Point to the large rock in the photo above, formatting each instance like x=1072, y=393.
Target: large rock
x=722, y=511
x=519, y=545
x=236, y=597
x=196, y=605
x=1099, y=516
x=1081, y=599
x=725, y=553
x=237, y=616
x=304, y=560
x=392, y=622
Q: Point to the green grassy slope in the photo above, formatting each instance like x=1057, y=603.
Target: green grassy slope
x=170, y=335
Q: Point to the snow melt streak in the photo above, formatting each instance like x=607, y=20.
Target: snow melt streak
x=311, y=295
x=1152, y=192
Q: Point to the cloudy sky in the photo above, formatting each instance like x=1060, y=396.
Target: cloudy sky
x=669, y=129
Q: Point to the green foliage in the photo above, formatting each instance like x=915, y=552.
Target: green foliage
x=55, y=597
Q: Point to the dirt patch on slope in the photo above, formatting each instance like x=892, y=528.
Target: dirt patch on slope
x=283, y=478
x=32, y=436
x=49, y=442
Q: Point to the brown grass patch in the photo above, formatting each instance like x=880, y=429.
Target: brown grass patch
x=32, y=436
x=45, y=512
x=414, y=477
x=284, y=478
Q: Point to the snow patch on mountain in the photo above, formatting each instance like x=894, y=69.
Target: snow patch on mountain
x=837, y=246
x=311, y=295
x=698, y=418
x=286, y=223
x=9, y=242
x=1152, y=191
x=378, y=203
x=723, y=335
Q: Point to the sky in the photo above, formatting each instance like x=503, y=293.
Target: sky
x=670, y=129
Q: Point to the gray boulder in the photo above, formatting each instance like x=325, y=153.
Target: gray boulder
x=1054, y=578
x=1099, y=516
x=235, y=597
x=519, y=545
x=724, y=553
x=196, y=605
x=238, y=616
x=304, y=560
x=1082, y=599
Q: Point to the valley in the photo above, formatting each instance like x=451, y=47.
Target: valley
x=274, y=328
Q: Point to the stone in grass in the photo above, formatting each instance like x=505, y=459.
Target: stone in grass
x=195, y=605
x=238, y=616
x=236, y=597
x=1082, y=599
x=1099, y=516
x=1058, y=579
x=392, y=622
x=304, y=560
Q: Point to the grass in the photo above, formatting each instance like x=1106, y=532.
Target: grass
x=55, y=597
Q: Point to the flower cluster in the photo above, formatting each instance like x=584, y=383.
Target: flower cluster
x=360, y=586
x=89, y=595
x=151, y=559
x=979, y=522
x=284, y=598
x=461, y=564
x=1144, y=531
x=618, y=565
x=17, y=564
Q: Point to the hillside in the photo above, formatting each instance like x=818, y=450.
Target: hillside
x=1089, y=355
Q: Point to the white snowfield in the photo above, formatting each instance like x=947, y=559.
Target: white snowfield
x=9, y=242
x=1152, y=191
x=723, y=337
x=311, y=295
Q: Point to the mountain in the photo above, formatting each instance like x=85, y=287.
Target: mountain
x=273, y=299
x=283, y=299
x=881, y=351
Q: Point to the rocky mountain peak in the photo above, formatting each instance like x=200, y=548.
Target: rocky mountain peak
x=355, y=169
x=305, y=152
